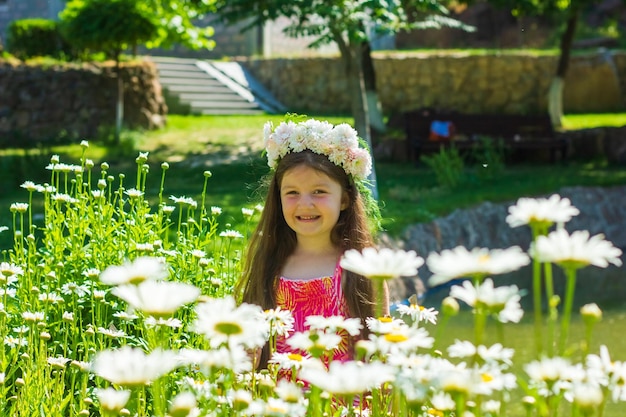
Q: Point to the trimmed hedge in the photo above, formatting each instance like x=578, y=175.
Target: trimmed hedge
x=28, y=38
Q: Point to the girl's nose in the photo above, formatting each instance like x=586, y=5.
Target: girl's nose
x=306, y=200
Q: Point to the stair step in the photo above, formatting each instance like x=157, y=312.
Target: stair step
x=203, y=90
x=208, y=104
x=216, y=96
x=183, y=74
x=193, y=81
x=200, y=89
x=231, y=111
x=177, y=66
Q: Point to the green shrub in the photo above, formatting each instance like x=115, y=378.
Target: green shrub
x=447, y=164
x=489, y=157
x=29, y=38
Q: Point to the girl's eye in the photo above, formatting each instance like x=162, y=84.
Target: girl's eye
x=319, y=192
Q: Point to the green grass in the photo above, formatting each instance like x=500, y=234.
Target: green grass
x=231, y=148
x=587, y=121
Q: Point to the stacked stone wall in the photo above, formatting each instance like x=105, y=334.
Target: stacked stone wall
x=491, y=83
x=42, y=104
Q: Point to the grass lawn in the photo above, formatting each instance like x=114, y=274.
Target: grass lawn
x=230, y=147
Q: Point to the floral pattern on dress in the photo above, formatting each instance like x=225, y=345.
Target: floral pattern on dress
x=314, y=297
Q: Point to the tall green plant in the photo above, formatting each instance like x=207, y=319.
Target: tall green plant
x=489, y=157
x=448, y=166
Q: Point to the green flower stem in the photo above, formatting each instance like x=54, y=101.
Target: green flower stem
x=480, y=320
x=570, y=287
x=439, y=331
x=379, y=289
x=315, y=405
x=162, y=186
x=537, y=305
x=537, y=229
x=552, y=307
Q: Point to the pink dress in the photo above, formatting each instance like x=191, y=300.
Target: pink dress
x=315, y=297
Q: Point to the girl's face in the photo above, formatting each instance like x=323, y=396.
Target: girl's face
x=311, y=202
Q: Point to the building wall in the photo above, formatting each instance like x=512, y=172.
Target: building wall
x=490, y=83
x=73, y=101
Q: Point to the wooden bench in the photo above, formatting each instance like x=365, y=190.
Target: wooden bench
x=520, y=134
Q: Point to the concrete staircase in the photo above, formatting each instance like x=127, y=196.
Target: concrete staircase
x=207, y=87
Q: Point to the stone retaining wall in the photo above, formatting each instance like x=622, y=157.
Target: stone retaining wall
x=495, y=83
x=40, y=104
x=602, y=210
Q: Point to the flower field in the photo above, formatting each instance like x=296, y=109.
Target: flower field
x=118, y=303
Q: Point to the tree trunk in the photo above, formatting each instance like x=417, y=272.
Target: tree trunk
x=555, y=94
x=119, y=108
x=351, y=55
x=371, y=92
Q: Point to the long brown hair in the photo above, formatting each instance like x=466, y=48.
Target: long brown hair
x=273, y=240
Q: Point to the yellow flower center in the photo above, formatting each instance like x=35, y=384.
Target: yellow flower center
x=385, y=319
x=228, y=328
x=395, y=338
x=295, y=357
x=487, y=377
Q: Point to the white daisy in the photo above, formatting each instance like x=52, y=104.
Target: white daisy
x=418, y=313
x=58, y=362
x=546, y=211
x=334, y=323
x=383, y=325
x=576, y=250
x=188, y=201
x=385, y=263
x=157, y=298
x=291, y=360
x=231, y=234
x=348, y=378
x=133, y=272
x=9, y=270
x=234, y=358
x=221, y=321
x=501, y=301
x=130, y=366
x=182, y=404
x=111, y=399
x=280, y=321
x=314, y=342
x=460, y=262
x=403, y=340
x=587, y=396
x=442, y=401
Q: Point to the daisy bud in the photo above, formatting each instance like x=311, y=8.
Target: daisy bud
x=450, y=307
x=182, y=404
x=591, y=313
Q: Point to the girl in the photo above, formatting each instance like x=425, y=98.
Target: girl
x=315, y=209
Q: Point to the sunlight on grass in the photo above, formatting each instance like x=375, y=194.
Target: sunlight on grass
x=588, y=121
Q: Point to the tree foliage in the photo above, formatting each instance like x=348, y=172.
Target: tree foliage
x=109, y=26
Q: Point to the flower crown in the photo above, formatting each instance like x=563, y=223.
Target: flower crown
x=339, y=143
